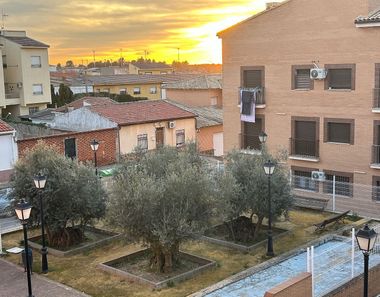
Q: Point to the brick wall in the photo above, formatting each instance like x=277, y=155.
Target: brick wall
x=5, y=175
x=354, y=288
x=108, y=145
x=299, y=286
x=205, y=137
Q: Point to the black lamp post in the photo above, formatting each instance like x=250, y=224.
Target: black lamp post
x=23, y=210
x=269, y=169
x=366, y=239
x=94, y=146
x=39, y=182
x=263, y=137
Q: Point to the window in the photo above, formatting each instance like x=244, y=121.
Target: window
x=148, y=72
x=252, y=77
x=180, y=138
x=376, y=188
x=106, y=90
x=339, y=131
x=36, y=61
x=70, y=148
x=136, y=91
x=142, y=141
x=340, y=77
x=123, y=91
x=305, y=137
x=37, y=89
x=343, y=183
x=214, y=101
x=163, y=72
x=33, y=109
x=153, y=90
x=301, y=78
x=302, y=180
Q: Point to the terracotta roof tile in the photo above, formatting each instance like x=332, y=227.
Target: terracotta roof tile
x=4, y=127
x=86, y=101
x=141, y=112
x=25, y=41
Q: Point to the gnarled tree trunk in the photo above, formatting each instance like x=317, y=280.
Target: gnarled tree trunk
x=163, y=258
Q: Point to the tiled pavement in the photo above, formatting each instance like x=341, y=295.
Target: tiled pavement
x=13, y=283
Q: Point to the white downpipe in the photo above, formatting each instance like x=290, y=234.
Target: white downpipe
x=333, y=202
x=1, y=243
x=352, y=252
x=308, y=260
x=312, y=270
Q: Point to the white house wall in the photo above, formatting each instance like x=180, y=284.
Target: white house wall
x=8, y=151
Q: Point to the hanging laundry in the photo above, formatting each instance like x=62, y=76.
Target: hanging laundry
x=248, y=98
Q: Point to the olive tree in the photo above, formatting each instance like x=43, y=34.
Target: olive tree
x=246, y=172
x=160, y=198
x=73, y=195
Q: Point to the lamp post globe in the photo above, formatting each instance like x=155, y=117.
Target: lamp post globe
x=269, y=170
x=23, y=210
x=263, y=137
x=40, y=182
x=94, y=146
x=366, y=239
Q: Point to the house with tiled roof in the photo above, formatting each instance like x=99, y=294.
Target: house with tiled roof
x=147, y=67
x=148, y=124
x=201, y=90
x=24, y=77
x=8, y=150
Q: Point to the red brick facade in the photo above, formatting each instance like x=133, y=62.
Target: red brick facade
x=299, y=286
x=108, y=145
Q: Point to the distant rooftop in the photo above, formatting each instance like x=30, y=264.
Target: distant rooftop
x=25, y=41
x=141, y=112
x=146, y=65
x=45, y=114
x=4, y=127
x=202, y=82
x=86, y=101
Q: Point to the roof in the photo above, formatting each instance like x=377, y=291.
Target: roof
x=86, y=101
x=144, y=65
x=125, y=79
x=373, y=17
x=273, y=7
x=139, y=112
x=203, y=82
x=45, y=114
x=207, y=116
x=25, y=41
x=4, y=127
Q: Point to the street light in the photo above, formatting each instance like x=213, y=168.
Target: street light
x=94, y=146
x=39, y=182
x=263, y=137
x=366, y=239
x=269, y=169
x=23, y=210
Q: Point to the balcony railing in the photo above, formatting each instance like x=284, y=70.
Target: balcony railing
x=250, y=141
x=260, y=98
x=13, y=95
x=376, y=98
x=304, y=148
x=375, y=154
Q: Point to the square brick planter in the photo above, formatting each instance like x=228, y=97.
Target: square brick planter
x=110, y=236
x=204, y=264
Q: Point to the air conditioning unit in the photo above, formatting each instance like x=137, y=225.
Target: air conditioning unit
x=171, y=124
x=318, y=73
x=318, y=175
x=19, y=85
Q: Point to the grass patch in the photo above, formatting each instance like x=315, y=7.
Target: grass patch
x=79, y=271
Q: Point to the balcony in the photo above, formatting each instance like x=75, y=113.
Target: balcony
x=250, y=142
x=375, y=156
x=260, y=98
x=304, y=150
x=13, y=95
x=376, y=100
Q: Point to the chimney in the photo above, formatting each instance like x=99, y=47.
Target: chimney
x=270, y=5
x=373, y=5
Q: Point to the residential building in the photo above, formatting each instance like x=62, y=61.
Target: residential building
x=8, y=150
x=148, y=124
x=330, y=123
x=209, y=125
x=203, y=90
x=147, y=67
x=24, y=79
x=144, y=85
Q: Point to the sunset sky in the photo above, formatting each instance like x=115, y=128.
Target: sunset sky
x=74, y=28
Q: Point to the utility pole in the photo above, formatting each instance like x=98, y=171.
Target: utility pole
x=93, y=55
x=178, y=54
x=3, y=16
x=121, y=57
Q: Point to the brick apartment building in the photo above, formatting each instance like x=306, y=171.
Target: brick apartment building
x=330, y=124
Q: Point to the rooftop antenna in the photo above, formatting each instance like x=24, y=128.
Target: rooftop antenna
x=146, y=53
x=93, y=55
x=3, y=16
x=178, y=53
x=121, y=57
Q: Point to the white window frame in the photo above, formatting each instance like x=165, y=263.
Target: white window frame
x=153, y=90
x=142, y=139
x=180, y=138
x=38, y=89
x=136, y=91
x=33, y=63
x=123, y=91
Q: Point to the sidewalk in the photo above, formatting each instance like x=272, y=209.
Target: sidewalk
x=14, y=284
